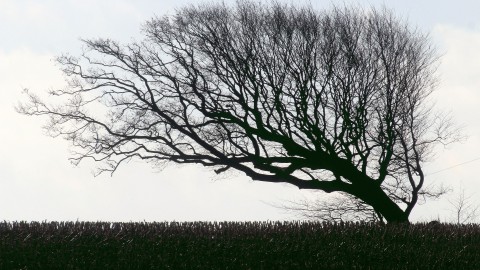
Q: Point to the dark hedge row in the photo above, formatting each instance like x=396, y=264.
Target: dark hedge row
x=237, y=245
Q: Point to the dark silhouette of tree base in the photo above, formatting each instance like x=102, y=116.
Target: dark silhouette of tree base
x=330, y=100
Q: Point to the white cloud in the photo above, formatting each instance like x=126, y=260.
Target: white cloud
x=32, y=13
x=461, y=61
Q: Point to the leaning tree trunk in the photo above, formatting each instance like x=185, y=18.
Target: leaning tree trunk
x=374, y=196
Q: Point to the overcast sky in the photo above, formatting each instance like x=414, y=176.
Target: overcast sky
x=37, y=182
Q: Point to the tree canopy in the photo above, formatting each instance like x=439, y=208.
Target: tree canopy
x=335, y=100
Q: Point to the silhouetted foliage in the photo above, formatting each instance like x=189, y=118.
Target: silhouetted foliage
x=332, y=100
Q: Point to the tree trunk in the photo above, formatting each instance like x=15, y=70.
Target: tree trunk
x=374, y=196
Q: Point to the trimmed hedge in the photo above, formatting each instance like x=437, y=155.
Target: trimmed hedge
x=237, y=245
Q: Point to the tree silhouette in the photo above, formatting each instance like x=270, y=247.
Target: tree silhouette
x=331, y=100
x=465, y=211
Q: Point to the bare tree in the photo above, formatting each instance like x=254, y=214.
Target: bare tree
x=464, y=210
x=331, y=100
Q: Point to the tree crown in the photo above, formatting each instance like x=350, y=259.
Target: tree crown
x=334, y=100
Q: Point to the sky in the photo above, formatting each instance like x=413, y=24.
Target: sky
x=37, y=181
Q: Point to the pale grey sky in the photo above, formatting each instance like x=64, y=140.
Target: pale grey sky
x=37, y=182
